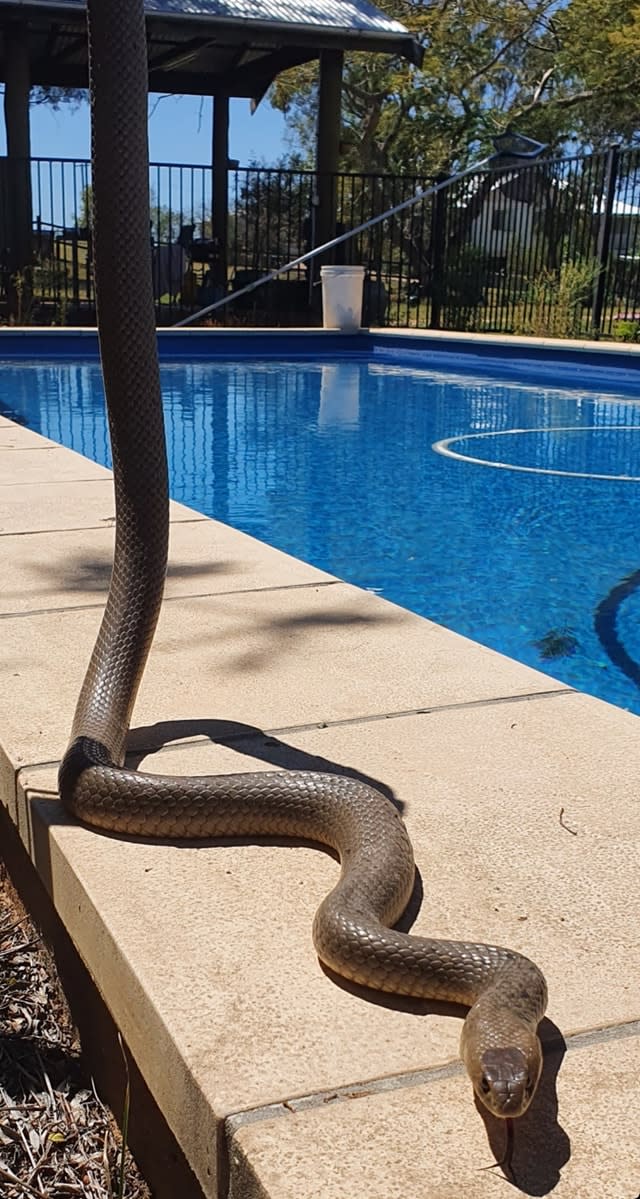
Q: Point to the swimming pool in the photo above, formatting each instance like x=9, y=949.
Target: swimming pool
x=505, y=508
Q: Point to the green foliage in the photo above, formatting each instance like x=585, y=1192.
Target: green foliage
x=22, y=283
x=600, y=61
x=561, y=69
x=84, y=211
x=626, y=330
x=556, y=300
x=266, y=240
x=49, y=276
x=166, y=222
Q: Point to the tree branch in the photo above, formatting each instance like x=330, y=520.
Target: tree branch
x=394, y=128
x=164, y=96
x=576, y=98
x=546, y=76
x=498, y=55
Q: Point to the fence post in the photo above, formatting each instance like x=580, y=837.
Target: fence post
x=437, y=253
x=220, y=190
x=605, y=213
x=75, y=269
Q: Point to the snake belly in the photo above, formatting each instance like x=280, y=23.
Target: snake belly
x=352, y=931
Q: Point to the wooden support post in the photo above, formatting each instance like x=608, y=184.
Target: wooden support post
x=220, y=166
x=17, y=236
x=328, y=145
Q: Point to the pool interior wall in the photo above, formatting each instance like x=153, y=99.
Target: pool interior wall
x=584, y=364
x=549, y=356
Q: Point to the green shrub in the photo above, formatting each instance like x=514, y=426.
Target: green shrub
x=556, y=299
x=626, y=330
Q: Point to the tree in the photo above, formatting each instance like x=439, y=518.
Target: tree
x=601, y=61
x=56, y=97
x=84, y=207
x=562, y=68
x=164, y=222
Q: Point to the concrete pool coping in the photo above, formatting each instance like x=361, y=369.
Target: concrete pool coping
x=519, y=795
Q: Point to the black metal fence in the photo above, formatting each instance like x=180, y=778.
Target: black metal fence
x=550, y=247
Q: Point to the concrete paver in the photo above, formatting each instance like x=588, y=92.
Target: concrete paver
x=47, y=463
x=482, y=340
x=579, y=1139
x=71, y=568
x=263, y=1023
x=27, y=508
x=13, y=436
x=270, y=658
x=31, y=508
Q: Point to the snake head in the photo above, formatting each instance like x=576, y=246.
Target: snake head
x=506, y=1079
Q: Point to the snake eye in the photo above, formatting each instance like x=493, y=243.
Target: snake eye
x=485, y=1085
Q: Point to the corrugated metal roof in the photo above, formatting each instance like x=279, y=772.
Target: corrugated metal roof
x=206, y=47
x=339, y=14
x=351, y=15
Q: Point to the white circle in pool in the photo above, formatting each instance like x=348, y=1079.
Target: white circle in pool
x=444, y=447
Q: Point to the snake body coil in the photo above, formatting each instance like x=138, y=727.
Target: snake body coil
x=505, y=992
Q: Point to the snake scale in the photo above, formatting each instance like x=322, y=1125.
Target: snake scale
x=353, y=929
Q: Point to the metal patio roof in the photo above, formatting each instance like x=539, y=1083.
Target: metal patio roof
x=199, y=47
x=334, y=14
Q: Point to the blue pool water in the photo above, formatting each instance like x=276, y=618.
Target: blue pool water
x=520, y=528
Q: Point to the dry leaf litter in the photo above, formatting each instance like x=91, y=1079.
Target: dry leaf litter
x=57, y=1138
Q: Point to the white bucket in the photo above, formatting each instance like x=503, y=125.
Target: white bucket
x=339, y=396
x=342, y=288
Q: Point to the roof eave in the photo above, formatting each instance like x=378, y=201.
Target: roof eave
x=382, y=41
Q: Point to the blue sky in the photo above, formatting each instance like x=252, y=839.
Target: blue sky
x=179, y=131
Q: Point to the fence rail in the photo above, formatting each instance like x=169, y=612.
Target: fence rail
x=549, y=247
